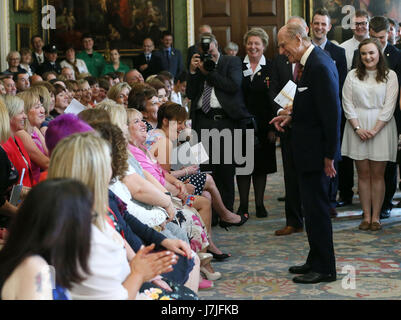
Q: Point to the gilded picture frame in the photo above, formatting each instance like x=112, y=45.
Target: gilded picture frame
x=24, y=34
x=24, y=5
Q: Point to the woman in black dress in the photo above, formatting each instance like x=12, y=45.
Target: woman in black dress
x=255, y=86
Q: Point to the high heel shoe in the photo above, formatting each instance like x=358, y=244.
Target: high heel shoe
x=219, y=257
x=210, y=275
x=225, y=224
x=261, y=212
x=242, y=211
x=204, y=258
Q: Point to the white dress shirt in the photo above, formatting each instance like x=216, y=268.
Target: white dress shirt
x=350, y=46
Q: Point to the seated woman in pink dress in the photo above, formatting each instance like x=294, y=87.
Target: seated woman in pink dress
x=32, y=137
x=137, y=130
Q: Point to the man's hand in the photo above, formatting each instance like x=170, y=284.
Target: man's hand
x=280, y=122
x=329, y=168
x=143, y=67
x=195, y=63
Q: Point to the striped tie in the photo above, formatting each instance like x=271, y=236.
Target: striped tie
x=207, y=93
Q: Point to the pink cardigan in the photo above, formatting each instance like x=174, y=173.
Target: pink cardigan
x=147, y=164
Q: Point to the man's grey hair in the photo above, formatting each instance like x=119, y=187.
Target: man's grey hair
x=299, y=19
x=232, y=46
x=295, y=29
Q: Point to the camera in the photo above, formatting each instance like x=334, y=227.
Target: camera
x=206, y=57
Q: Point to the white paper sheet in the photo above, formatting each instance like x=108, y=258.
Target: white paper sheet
x=287, y=94
x=75, y=107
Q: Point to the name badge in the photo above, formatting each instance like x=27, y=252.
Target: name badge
x=248, y=72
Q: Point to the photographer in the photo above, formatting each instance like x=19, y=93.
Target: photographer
x=214, y=87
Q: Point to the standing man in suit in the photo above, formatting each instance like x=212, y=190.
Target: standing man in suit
x=320, y=26
x=38, y=55
x=283, y=71
x=315, y=121
x=148, y=63
x=50, y=63
x=171, y=58
x=379, y=28
x=217, y=103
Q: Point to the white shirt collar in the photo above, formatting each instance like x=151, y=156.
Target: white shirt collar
x=262, y=60
x=306, y=55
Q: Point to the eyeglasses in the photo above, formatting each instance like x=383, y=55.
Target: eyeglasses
x=361, y=24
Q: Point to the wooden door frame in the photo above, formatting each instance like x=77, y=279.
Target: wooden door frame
x=191, y=18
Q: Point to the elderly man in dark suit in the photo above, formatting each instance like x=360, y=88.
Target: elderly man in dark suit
x=378, y=28
x=320, y=26
x=148, y=63
x=217, y=103
x=282, y=72
x=315, y=121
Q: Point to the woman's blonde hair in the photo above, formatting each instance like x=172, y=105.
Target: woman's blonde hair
x=117, y=112
x=132, y=113
x=4, y=122
x=115, y=90
x=14, y=105
x=87, y=158
x=30, y=99
x=44, y=94
x=257, y=32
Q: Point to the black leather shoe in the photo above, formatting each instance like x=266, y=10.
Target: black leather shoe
x=342, y=203
x=385, y=213
x=261, y=212
x=314, y=277
x=305, y=268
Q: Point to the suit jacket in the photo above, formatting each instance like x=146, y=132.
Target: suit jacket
x=281, y=73
x=316, y=114
x=338, y=55
x=47, y=66
x=154, y=65
x=226, y=80
x=35, y=63
x=174, y=64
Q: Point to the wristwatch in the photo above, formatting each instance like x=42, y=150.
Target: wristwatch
x=357, y=128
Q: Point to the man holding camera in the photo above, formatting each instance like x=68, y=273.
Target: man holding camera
x=214, y=87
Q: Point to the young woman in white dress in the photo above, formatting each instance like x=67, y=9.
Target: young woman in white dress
x=370, y=137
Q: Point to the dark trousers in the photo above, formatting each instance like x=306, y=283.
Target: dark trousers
x=390, y=179
x=223, y=174
x=315, y=201
x=293, y=212
x=346, y=178
x=333, y=188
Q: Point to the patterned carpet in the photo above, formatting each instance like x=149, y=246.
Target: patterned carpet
x=258, y=268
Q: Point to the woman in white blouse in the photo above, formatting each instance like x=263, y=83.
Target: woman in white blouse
x=116, y=272
x=370, y=137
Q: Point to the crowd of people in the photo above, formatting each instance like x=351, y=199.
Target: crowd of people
x=104, y=210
